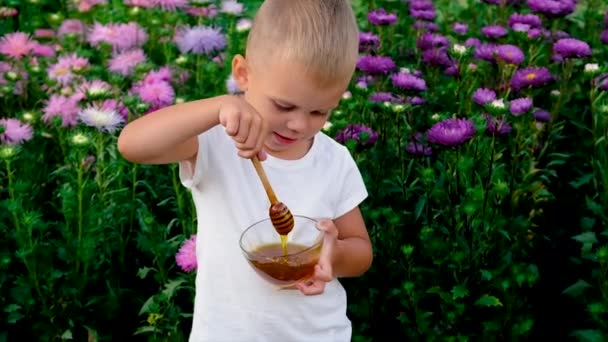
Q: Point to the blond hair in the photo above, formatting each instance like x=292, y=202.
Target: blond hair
x=321, y=35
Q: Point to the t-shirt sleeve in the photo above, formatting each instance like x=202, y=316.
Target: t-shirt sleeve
x=191, y=175
x=353, y=190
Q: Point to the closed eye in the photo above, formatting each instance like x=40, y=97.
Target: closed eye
x=283, y=108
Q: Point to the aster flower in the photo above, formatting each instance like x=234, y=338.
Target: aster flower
x=451, y=132
x=71, y=26
x=381, y=97
x=140, y=3
x=368, y=41
x=421, y=5
x=423, y=14
x=15, y=132
x=531, y=77
x=42, y=50
x=156, y=94
x=418, y=149
x=407, y=81
x=93, y=88
x=63, y=70
x=125, y=62
x=171, y=5
x=430, y=40
x=460, y=28
x=65, y=107
x=103, y=120
x=482, y=96
x=542, y=115
x=375, y=64
x=362, y=134
x=381, y=17
x=186, y=256
x=604, y=36
x=520, y=106
x=510, y=54
x=553, y=8
x=530, y=20
x=571, y=48
x=16, y=45
x=231, y=7
x=199, y=39
x=497, y=126
x=494, y=31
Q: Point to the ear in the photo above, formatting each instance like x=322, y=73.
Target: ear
x=240, y=72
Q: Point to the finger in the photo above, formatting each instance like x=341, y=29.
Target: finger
x=312, y=287
x=244, y=128
x=261, y=139
x=232, y=124
x=254, y=133
x=262, y=155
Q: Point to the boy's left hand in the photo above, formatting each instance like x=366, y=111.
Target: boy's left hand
x=323, y=270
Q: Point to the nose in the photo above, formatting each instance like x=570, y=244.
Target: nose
x=298, y=121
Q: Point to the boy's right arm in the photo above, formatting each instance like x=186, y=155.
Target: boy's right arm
x=170, y=134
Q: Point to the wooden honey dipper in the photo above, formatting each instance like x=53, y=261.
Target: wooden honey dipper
x=280, y=216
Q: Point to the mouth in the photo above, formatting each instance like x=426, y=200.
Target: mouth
x=283, y=139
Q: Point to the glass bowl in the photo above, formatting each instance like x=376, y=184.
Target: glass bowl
x=261, y=245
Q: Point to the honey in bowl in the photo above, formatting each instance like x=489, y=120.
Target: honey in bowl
x=271, y=262
x=263, y=249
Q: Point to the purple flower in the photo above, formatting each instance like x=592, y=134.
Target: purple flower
x=375, y=64
x=421, y=5
x=368, y=41
x=486, y=52
x=431, y=40
x=14, y=132
x=460, y=28
x=531, y=20
x=199, y=40
x=520, y=106
x=425, y=25
x=604, y=36
x=418, y=149
x=423, y=14
x=407, y=81
x=437, y=57
x=497, y=126
x=381, y=17
x=362, y=134
x=542, y=115
x=381, y=97
x=494, y=31
x=510, y=54
x=186, y=256
x=553, y=8
x=451, y=132
x=531, y=77
x=572, y=48
x=482, y=96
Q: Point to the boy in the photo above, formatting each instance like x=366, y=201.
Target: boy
x=300, y=58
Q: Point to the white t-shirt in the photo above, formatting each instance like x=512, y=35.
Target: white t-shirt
x=232, y=303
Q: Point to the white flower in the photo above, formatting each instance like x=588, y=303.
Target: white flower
x=498, y=104
x=327, y=126
x=79, y=139
x=459, y=49
x=231, y=7
x=591, y=68
x=243, y=25
x=103, y=120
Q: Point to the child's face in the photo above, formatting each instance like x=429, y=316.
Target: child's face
x=292, y=105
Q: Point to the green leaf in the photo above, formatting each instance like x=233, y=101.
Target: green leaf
x=586, y=238
x=459, y=291
x=582, y=181
x=577, y=288
x=486, y=275
x=420, y=206
x=143, y=330
x=12, y=307
x=487, y=300
x=588, y=335
x=147, y=305
x=143, y=272
x=172, y=286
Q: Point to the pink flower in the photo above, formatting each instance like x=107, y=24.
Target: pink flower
x=62, y=71
x=16, y=45
x=66, y=108
x=171, y=5
x=186, y=256
x=43, y=50
x=156, y=94
x=71, y=26
x=15, y=132
x=121, y=37
x=125, y=62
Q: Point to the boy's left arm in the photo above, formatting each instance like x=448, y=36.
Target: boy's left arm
x=352, y=253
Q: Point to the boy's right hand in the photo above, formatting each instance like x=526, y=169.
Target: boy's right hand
x=245, y=125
